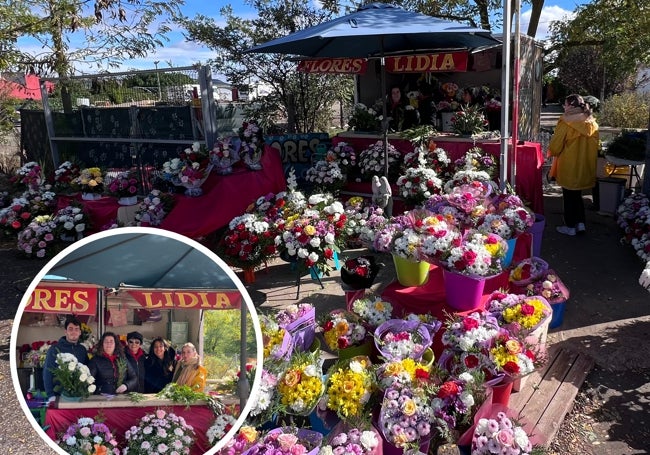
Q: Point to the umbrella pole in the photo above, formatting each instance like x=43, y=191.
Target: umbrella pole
x=384, y=110
x=505, y=94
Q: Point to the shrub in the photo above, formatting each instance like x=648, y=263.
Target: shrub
x=627, y=110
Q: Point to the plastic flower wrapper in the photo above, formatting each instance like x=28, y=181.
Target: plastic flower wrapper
x=278, y=343
x=326, y=175
x=301, y=385
x=500, y=434
x=160, y=432
x=64, y=175
x=405, y=416
x=269, y=207
x=288, y=441
x=247, y=242
x=342, y=329
x=72, y=378
x=88, y=436
x=29, y=175
x=344, y=440
x=374, y=311
x=267, y=400
x=418, y=184
x=349, y=387
x=464, y=205
x=398, y=339
x=528, y=271
x=550, y=287
x=300, y=321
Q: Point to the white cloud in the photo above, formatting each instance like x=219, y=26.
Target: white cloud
x=549, y=14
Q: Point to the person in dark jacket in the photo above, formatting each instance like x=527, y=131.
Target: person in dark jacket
x=69, y=343
x=159, y=365
x=136, y=357
x=112, y=372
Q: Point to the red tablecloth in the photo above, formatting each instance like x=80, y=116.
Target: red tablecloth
x=101, y=212
x=225, y=197
x=119, y=420
x=529, y=160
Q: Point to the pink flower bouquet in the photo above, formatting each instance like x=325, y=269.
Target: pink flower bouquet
x=500, y=435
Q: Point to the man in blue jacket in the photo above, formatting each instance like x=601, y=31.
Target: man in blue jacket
x=68, y=344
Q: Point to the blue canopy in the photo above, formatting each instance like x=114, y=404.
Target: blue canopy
x=144, y=260
x=378, y=29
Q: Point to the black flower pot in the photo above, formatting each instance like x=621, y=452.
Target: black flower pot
x=355, y=281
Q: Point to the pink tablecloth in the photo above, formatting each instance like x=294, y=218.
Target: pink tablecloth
x=529, y=160
x=121, y=419
x=225, y=197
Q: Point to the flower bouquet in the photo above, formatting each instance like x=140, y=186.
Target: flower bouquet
x=90, y=182
x=71, y=223
x=418, y=184
x=364, y=119
x=364, y=221
x=288, y=441
x=326, y=176
x=29, y=175
x=359, y=272
x=125, y=187
x=469, y=120
x=528, y=271
x=242, y=441
x=33, y=355
x=153, y=208
x=550, y=287
x=350, y=384
x=500, y=435
x=64, y=175
x=223, y=155
x=372, y=161
x=247, y=242
x=403, y=372
x=270, y=206
x=278, y=343
x=38, y=236
x=342, y=330
x=221, y=425
x=15, y=217
x=88, y=436
x=71, y=378
x=518, y=313
x=398, y=339
x=347, y=441
x=462, y=206
x=252, y=145
x=344, y=154
x=264, y=408
x=160, y=432
x=373, y=311
x=478, y=255
x=405, y=416
x=301, y=385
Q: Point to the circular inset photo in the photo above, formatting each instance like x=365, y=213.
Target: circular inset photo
x=132, y=341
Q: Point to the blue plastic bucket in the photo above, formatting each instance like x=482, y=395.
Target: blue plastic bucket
x=558, y=314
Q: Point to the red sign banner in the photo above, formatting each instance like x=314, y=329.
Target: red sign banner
x=79, y=300
x=156, y=299
x=428, y=63
x=334, y=66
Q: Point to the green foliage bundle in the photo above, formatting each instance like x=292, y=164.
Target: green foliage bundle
x=629, y=145
x=627, y=110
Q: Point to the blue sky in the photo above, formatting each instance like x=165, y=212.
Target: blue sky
x=182, y=53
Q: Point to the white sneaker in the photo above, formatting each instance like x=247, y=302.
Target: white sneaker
x=566, y=230
x=580, y=228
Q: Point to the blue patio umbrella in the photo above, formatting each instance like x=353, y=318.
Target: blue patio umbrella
x=377, y=30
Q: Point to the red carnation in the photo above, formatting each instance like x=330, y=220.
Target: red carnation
x=471, y=361
x=511, y=368
x=448, y=390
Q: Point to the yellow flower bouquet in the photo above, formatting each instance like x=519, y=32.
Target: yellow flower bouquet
x=90, y=180
x=350, y=385
x=301, y=385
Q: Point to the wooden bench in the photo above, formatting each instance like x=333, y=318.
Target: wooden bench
x=548, y=394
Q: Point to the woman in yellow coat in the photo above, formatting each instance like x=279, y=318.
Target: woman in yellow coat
x=574, y=145
x=189, y=370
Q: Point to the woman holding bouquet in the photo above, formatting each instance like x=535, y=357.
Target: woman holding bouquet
x=112, y=372
x=189, y=370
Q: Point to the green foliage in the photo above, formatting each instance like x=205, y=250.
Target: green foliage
x=627, y=110
x=222, y=333
x=629, y=145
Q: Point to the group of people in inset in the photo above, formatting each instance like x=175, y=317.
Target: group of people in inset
x=119, y=370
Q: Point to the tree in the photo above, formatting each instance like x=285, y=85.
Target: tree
x=615, y=31
x=304, y=99
x=112, y=31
